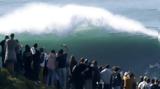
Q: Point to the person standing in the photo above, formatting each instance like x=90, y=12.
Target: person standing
x=133, y=81
x=95, y=74
x=127, y=81
x=51, y=65
x=27, y=57
x=106, y=77
x=61, y=59
x=155, y=85
x=116, y=80
x=72, y=63
x=78, y=78
x=19, y=63
x=3, y=49
x=10, y=55
x=144, y=84
x=36, y=62
x=44, y=58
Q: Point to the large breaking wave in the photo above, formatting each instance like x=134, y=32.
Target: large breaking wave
x=39, y=18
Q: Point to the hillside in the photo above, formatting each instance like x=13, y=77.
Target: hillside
x=18, y=82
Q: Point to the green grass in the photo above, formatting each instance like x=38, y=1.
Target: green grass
x=18, y=82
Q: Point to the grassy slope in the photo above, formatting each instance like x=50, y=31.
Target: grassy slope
x=19, y=82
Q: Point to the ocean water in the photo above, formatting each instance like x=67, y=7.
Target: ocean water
x=116, y=32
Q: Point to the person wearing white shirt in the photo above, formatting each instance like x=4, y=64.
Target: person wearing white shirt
x=144, y=84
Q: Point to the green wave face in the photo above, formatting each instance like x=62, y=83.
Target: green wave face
x=130, y=51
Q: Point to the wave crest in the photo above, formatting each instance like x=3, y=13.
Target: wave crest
x=39, y=18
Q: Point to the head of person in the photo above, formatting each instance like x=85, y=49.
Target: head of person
x=145, y=78
x=6, y=37
x=107, y=66
x=73, y=60
x=17, y=40
x=41, y=49
x=126, y=74
x=157, y=81
x=82, y=60
x=94, y=63
x=100, y=68
x=53, y=51
x=148, y=80
x=35, y=45
x=141, y=78
x=132, y=75
x=27, y=47
x=12, y=36
x=153, y=81
x=86, y=61
x=60, y=52
x=116, y=68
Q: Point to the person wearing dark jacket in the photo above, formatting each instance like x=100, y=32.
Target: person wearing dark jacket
x=61, y=60
x=95, y=74
x=78, y=75
x=3, y=48
x=19, y=63
x=116, y=80
x=27, y=57
x=72, y=63
x=155, y=85
x=36, y=62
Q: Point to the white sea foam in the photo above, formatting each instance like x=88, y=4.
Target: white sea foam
x=39, y=18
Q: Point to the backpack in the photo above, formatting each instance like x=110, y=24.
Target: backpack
x=116, y=80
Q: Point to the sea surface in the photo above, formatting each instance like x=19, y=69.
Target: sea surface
x=131, y=50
